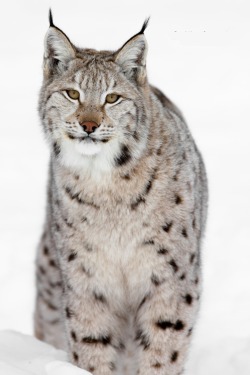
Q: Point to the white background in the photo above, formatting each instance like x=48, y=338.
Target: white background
x=199, y=55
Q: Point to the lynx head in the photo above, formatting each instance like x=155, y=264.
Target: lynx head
x=93, y=104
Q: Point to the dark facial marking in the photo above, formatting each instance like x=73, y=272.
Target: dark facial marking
x=174, y=356
x=124, y=156
x=167, y=226
x=183, y=276
x=91, y=369
x=72, y=256
x=75, y=356
x=174, y=265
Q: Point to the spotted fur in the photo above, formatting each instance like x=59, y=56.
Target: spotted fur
x=118, y=266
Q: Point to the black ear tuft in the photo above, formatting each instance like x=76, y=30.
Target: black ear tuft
x=51, y=23
x=144, y=26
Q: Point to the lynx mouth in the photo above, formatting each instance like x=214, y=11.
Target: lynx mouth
x=87, y=139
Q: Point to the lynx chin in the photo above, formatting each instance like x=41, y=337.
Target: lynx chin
x=119, y=261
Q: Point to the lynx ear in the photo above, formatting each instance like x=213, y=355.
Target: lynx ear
x=132, y=56
x=58, y=50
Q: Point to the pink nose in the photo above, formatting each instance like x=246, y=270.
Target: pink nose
x=89, y=126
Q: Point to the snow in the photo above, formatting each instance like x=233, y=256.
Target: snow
x=199, y=55
x=24, y=355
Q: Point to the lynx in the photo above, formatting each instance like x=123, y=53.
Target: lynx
x=119, y=264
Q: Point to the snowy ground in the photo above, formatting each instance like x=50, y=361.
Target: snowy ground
x=199, y=55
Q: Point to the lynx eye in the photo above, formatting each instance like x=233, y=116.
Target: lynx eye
x=112, y=98
x=73, y=94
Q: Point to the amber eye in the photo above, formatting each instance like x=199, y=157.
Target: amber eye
x=73, y=94
x=112, y=98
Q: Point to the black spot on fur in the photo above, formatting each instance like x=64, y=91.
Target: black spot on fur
x=50, y=305
x=124, y=156
x=164, y=324
x=99, y=297
x=148, y=187
x=73, y=335
x=70, y=225
x=57, y=227
x=162, y=251
x=76, y=196
x=143, y=301
x=188, y=299
x=174, y=265
x=184, y=232
x=112, y=366
x=69, y=313
x=45, y=250
x=178, y=199
x=155, y=280
x=91, y=368
x=179, y=325
x=126, y=177
x=157, y=365
x=192, y=256
x=57, y=284
x=56, y=148
x=72, y=256
x=149, y=242
x=139, y=200
x=196, y=281
x=52, y=263
x=183, y=276
x=174, y=356
x=42, y=270
x=135, y=135
x=104, y=340
x=75, y=356
x=194, y=223
x=189, y=332
x=143, y=339
x=167, y=226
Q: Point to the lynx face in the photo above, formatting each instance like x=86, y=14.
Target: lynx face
x=93, y=104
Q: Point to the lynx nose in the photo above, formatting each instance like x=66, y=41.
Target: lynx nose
x=89, y=126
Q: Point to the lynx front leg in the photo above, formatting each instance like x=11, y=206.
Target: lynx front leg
x=48, y=324
x=92, y=332
x=164, y=323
